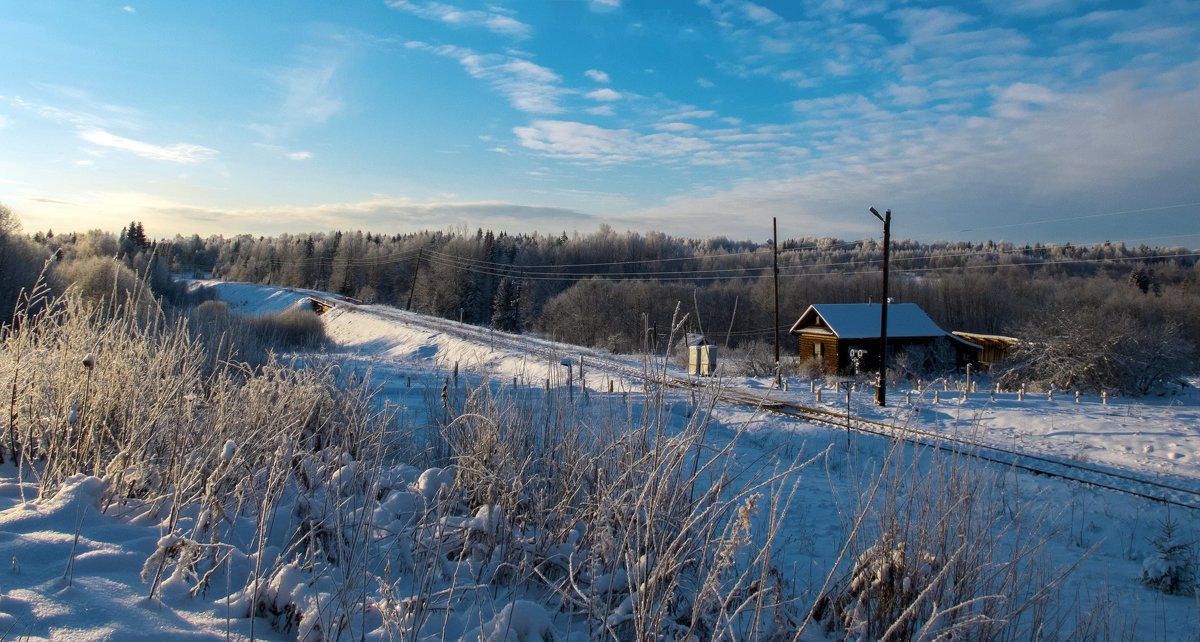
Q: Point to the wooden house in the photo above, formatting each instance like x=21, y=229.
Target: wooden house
x=833, y=332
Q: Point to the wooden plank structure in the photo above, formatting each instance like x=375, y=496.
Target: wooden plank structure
x=992, y=347
x=829, y=332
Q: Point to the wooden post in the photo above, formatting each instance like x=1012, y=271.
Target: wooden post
x=1104, y=397
x=937, y=396
x=416, y=270
x=967, y=388
x=847, y=418
x=881, y=388
x=775, y=279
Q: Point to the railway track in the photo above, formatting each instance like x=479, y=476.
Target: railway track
x=1079, y=472
x=1106, y=479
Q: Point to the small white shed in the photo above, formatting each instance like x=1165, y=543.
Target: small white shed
x=702, y=356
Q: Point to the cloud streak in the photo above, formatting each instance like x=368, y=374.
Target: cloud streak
x=528, y=86
x=494, y=20
x=184, y=153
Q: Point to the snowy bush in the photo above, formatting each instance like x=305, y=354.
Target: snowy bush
x=1171, y=568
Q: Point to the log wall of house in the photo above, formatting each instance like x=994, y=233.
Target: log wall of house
x=829, y=350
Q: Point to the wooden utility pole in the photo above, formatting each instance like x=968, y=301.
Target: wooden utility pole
x=775, y=276
x=416, y=270
x=881, y=387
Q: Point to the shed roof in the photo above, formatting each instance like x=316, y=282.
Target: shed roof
x=988, y=340
x=861, y=320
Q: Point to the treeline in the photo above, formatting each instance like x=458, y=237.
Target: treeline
x=102, y=265
x=621, y=290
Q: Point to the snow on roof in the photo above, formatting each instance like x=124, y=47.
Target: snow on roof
x=861, y=320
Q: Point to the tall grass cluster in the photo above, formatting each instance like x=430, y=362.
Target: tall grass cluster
x=288, y=494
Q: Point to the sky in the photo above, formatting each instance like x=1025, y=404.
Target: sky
x=1020, y=120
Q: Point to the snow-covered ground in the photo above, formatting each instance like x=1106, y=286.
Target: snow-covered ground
x=77, y=573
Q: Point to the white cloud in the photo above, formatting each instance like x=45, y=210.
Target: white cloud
x=908, y=95
x=603, y=95
x=112, y=209
x=759, y=14
x=128, y=9
x=494, y=19
x=705, y=83
x=676, y=127
x=596, y=75
x=309, y=96
x=605, y=5
x=1125, y=143
x=299, y=156
x=1031, y=7
x=528, y=86
x=601, y=110
x=696, y=113
x=177, y=153
x=581, y=141
x=1155, y=36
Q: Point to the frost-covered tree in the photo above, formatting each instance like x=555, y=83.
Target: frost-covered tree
x=1171, y=568
x=1089, y=347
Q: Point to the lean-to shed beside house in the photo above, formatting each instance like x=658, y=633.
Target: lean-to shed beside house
x=828, y=332
x=992, y=347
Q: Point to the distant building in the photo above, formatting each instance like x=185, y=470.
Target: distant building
x=829, y=332
x=702, y=356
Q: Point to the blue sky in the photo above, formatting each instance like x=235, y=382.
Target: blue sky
x=1022, y=120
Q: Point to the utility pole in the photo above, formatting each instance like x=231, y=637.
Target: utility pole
x=881, y=386
x=775, y=277
x=413, y=287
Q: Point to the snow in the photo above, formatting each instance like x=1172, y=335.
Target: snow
x=75, y=572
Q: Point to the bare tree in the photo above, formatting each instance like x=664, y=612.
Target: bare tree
x=1091, y=348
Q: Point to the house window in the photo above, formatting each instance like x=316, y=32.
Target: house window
x=818, y=349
